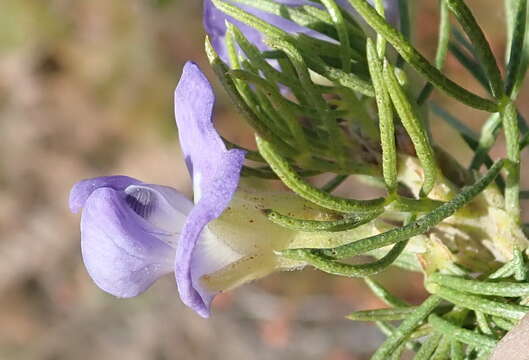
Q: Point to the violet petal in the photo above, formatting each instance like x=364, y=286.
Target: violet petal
x=119, y=248
x=214, y=169
x=84, y=188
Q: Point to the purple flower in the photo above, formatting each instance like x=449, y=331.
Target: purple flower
x=215, y=22
x=132, y=233
x=128, y=231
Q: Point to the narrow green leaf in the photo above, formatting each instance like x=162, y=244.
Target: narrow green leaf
x=338, y=76
x=519, y=266
x=457, y=333
x=383, y=294
x=503, y=324
x=330, y=123
x=287, y=113
x=516, y=47
x=415, y=59
x=428, y=347
x=332, y=184
x=477, y=303
x=257, y=59
x=505, y=271
x=390, y=314
x=346, y=223
x=414, y=127
x=419, y=226
x=481, y=45
x=247, y=18
x=291, y=179
x=262, y=129
x=489, y=133
x=471, y=65
x=328, y=265
x=407, y=205
x=457, y=352
x=385, y=116
x=317, y=19
x=336, y=15
x=406, y=328
x=443, y=349
x=505, y=289
x=483, y=323
x=405, y=25
x=442, y=48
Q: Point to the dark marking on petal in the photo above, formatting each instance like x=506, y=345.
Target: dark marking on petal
x=141, y=201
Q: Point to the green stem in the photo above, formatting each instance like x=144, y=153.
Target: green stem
x=512, y=139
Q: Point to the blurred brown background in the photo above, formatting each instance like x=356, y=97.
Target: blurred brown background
x=86, y=90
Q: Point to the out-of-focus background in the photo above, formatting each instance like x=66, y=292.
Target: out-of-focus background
x=86, y=90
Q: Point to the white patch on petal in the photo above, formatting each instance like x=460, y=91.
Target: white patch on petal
x=210, y=255
x=197, y=191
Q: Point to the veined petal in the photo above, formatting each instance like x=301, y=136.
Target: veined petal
x=162, y=206
x=84, y=188
x=119, y=248
x=214, y=169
